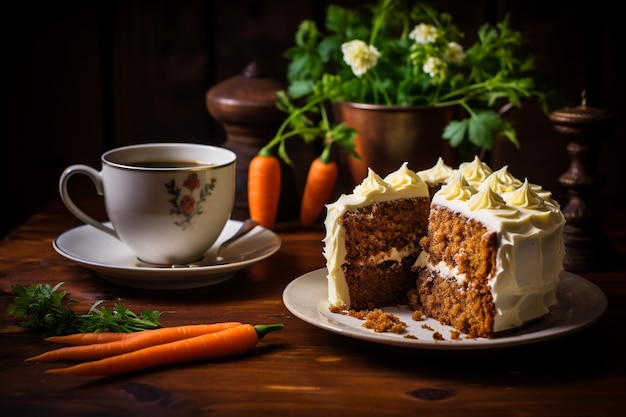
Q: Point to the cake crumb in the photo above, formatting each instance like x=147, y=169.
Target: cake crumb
x=376, y=319
x=427, y=327
x=438, y=336
x=361, y=314
x=455, y=334
x=418, y=316
x=380, y=322
x=411, y=336
x=337, y=309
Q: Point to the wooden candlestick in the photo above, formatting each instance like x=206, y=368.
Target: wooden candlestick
x=586, y=246
x=245, y=105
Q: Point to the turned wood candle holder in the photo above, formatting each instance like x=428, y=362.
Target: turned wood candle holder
x=586, y=246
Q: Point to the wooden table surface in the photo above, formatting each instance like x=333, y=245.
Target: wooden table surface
x=301, y=370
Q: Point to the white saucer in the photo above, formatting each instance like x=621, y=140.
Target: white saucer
x=580, y=303
x=111, y=259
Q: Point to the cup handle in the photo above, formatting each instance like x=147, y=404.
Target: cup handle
x=96, y=178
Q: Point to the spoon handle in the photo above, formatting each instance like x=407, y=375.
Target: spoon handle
x=247, y=226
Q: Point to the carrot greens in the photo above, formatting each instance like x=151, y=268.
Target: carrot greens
x=44, y=308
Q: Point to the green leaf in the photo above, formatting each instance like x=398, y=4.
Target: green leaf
x=305, y=67
x=455, y=132
x=282, y=153
x=329, y=48
x=479, y=133
x=307, y=35
x=509, y=133
x=299, y=89
x=483, y=127
x=340, y=20
x=44, y=308
x=329, y=88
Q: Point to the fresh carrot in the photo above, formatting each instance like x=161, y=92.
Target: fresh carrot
x=141, y=340
x=319, y=185
x=106, y=337
x=233, y=341
x=92, y=337
x=264, y=182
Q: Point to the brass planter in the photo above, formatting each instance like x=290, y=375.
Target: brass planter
x=390, y=135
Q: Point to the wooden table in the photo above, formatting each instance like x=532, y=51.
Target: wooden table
x=301, y=370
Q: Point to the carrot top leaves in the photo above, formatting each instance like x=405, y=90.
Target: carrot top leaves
x=118, y=319
x=45, y=308
x=310, y=121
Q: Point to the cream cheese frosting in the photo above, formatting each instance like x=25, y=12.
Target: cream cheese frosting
x=440, y=173
x=403, y=183
x=474, y=172
x=529, y=227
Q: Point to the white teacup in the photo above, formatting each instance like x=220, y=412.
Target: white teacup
x=168, y=202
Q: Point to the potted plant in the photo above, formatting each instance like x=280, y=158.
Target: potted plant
x=400, y=58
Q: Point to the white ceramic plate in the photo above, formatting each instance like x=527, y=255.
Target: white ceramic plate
x=580, y=303
x=116, y=263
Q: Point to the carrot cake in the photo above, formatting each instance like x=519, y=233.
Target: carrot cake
x=493, y=254
x=372, y=240
x=482, y=252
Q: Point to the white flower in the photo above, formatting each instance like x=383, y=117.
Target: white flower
x=360, y=56
x=424, y=33
x=435, y=67
x=454, y=53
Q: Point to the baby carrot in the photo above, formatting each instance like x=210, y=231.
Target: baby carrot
x=141, y=340
x=264, y=182
x=319, y=185
x=229, y=342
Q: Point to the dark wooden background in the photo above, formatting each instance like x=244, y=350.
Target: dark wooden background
x=86, y=76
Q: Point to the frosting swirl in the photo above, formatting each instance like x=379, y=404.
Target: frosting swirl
x=475, y=171
x=525, y=197
x=440, y=173
x=372, y=184
x=507, y=182
x=485, y=198
x=405, y=181
x=457, y=189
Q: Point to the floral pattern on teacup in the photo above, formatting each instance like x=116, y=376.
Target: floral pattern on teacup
x=185, y=202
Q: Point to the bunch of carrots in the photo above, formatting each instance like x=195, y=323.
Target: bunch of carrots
x=113, y=353
x=264, y=172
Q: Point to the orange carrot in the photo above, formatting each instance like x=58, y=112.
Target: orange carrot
x=229, y=342
x=93, y=337
x=319, y=185
x=141, y=340
x=264, y=181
